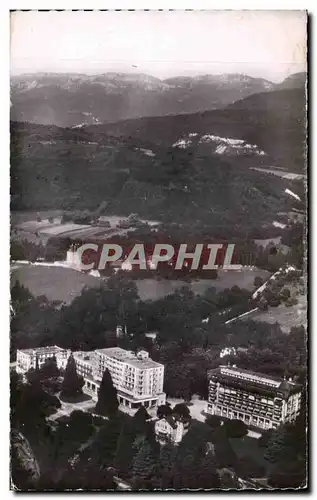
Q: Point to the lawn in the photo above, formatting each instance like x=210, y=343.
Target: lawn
x=62, y=283
x=286, y=317
x=152, y=289
x=56, y=283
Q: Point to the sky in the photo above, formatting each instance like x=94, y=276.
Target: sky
x=267, y=44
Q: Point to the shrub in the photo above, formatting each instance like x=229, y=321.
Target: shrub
x=235, y=428
x=213, y=421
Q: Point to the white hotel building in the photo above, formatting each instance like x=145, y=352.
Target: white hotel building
x=138, y=379
x=257, y=399
x=27, y=358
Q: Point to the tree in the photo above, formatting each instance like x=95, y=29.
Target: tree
x=258, y=281
x=263, y=304
x=191, y=451
x=140, y=418
x=289, y=474
x=263, y=441
x=50, y=369
x=277, y=447
x=249, y=468
x=144, y=464
x=235, y=428
x=72, y=383
x=208, y=477
x=167, y=462
x=106, y=443
x=224, y=452
x=285, y=294
x=107, y=403
x=33, y=375
x=177, y=381
x=85, y=476
x=181, y=412
x=80, y=424
x=125, y=450
x=164, y=410
x=213, y=421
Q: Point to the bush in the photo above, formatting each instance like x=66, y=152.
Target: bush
x=263, y=441
x=249, y=468
x=235, y=428
x=292, y=301
x=258, y=281
x=263, y=305
x=213, y=421
x=164, y=410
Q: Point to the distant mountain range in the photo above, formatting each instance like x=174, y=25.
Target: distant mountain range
x=177, y=167
x=182, y=167
x=79, y=100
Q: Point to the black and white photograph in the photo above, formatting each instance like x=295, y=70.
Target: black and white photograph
x=158, y=250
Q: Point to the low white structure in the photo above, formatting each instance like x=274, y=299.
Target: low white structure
x=228, y=351
x=169, y=430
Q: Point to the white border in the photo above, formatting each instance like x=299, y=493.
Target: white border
x=310, y=5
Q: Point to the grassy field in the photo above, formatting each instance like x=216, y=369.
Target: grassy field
x=279, y=173
x=287, y=317
x=155, y=289
x=62, y=283
x=56, y=283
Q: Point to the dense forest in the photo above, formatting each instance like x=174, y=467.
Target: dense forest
x=49, y=171
x=186, y=346
x=85, y=451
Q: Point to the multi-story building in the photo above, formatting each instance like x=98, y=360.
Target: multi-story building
x=257, y=399
x=85, y=363
x=28, y=358
x=137, y=378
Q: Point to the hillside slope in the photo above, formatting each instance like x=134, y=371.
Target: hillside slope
x=274, y=121
x=81, y=170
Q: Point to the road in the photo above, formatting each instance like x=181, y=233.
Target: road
x=122, y=485
x=67, y=408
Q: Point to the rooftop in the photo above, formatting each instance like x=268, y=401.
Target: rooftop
x=256, y=380
x=87, y=356
x=52, y=349
x=129, y=357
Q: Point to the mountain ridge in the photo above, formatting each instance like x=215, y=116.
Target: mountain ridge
x=73, y=99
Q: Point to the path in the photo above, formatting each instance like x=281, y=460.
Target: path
x=68, y=408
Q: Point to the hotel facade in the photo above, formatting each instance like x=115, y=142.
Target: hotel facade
x=257, y=399
x=30, y=358
x=138, y=379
